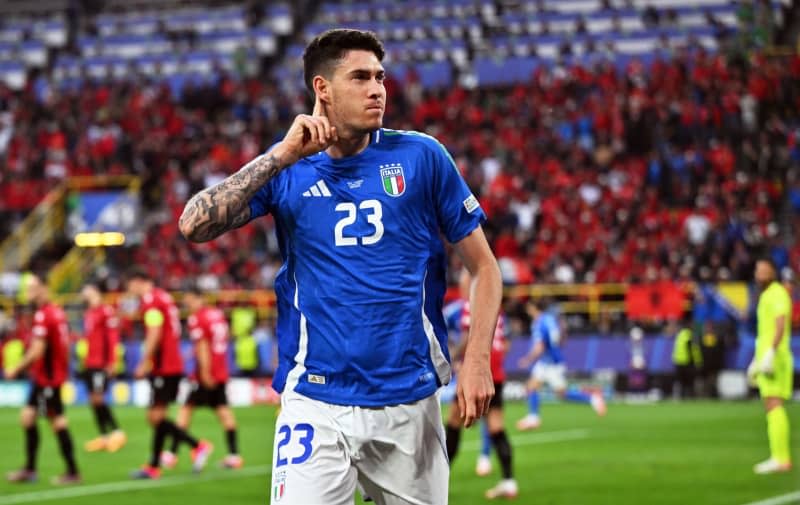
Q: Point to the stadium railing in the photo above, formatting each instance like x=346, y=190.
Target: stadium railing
x=43, y=225
x=591, y=300
x=79, y=263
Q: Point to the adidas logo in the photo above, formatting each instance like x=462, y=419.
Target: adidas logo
x=318, y=189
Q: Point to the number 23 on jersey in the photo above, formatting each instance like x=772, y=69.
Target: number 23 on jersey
x=374, y=216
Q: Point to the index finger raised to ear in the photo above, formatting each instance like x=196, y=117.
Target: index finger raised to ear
x=319, y=109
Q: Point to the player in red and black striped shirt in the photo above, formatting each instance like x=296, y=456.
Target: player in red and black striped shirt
x=507, y=488
x=47, y=357
x=101, y=327
x=210, y=334
x=161, y=362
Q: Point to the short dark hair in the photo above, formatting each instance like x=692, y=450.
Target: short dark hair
x=330, y=46
x=97, y=284
x=193, y=288
x=138, y=272
x=540, y=303
x=769, y=261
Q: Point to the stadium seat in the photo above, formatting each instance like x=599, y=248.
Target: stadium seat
x=52, y=33
x=33, y=53
x=279, y=18
x=13, y=74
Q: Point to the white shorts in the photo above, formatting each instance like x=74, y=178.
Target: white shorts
x=554, y=376
x=396, y=453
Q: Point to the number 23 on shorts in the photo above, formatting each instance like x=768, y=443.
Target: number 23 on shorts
x=303, y=434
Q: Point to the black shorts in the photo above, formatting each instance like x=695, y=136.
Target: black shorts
x=96, y=380
x=207, y=397
x=497, y=400
x=164, y=389
x=46, y=400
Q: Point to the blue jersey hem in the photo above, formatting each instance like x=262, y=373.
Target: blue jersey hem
x=338, y=399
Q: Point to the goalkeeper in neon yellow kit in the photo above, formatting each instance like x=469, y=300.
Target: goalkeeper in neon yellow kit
x=772, y=366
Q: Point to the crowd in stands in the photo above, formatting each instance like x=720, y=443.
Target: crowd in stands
x=586, y=174
x=657, y=170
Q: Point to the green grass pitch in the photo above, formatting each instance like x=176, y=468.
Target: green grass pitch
x=668, y=453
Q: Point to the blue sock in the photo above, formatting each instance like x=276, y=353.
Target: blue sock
x=533, y=403
x=486, y=442
x=577, y=396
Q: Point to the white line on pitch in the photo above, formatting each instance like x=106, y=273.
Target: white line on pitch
x=129, y=485
x=781, y=499
x=547, y=437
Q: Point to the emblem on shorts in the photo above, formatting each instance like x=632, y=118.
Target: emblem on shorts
x=394, y=182
x=279, y=486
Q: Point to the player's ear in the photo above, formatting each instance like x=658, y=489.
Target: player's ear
x=322, y=89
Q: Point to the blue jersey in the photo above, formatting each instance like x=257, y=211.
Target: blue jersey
x=546, y=329
x=361, y=288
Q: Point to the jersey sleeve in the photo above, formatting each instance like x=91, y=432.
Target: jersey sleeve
x=553, y=331
x=39, y=329
x=457, y=209
x=261, y=203
x=195, y=330
x=536, y=332
x=782, y=305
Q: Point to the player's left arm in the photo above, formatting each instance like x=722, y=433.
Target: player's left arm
x=204, y=363
x=781, y=309
x=475, y=387
x=767, y=364
x=780, y=329
x=154, y=326
x=35, y=351
x=112, y=340
x=535, y=353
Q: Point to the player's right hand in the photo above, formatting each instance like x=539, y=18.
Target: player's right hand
x=11, y=373
x=308, y=135
x=142, y=370
x=208, y=382
x=474, y=389
x=767, y=363
x=752, y=372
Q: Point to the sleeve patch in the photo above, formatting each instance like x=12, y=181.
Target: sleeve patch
x=471, y=203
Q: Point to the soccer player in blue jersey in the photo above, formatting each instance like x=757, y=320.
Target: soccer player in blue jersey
x=549, y=368
x=359, y=211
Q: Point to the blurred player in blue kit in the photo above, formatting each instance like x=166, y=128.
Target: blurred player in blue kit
x=549, y=367
x=358, y=211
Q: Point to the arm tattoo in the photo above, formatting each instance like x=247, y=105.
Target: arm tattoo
x=223, y=207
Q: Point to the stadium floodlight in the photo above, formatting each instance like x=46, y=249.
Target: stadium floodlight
x=99, y=239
